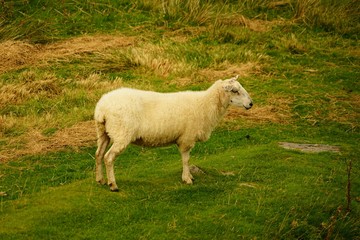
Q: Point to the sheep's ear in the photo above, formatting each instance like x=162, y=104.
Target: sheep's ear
x=228, y=87
x=233, y=79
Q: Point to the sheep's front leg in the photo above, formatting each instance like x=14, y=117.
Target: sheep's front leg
x=186, y=175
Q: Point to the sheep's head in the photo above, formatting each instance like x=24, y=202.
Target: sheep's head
x=238, y=95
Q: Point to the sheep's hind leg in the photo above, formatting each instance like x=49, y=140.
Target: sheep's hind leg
x=186, y=175
x=110, y=156
x=102, y=142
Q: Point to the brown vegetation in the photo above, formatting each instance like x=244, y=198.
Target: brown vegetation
x=19, y=54
x=34, y=142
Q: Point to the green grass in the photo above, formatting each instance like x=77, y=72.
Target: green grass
x=299, y=63
x=251, y=188
x=277, y=194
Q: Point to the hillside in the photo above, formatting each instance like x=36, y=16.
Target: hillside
x=299, y=63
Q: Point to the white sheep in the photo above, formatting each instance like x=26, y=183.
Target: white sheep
x=147, y=118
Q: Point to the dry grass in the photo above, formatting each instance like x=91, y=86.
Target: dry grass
x=98, y=81
x=260, y=114
x=277, y=110
x=19, y=54
x=341, y=109
x=161, y=60
x=15, y=54
x=30, y=135
x=29, y=87
x=222, y=71
x=34, y=142
x=83, y=134
x=255, y=25
x=185, y=34
x=293, y=45
x=169, y=60
x=226, y=69
x=331, y=16
x=157, y=59
x=194, y=11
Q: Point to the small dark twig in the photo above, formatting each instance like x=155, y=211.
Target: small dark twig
x=332, y=223
x=348, y=188
x=339, y=211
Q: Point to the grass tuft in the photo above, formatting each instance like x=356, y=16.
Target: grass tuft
x=330, y=15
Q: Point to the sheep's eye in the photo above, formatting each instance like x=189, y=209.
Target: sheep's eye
x=234, y=91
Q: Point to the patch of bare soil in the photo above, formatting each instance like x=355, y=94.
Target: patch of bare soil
x=80, y=135
x=19, y=54
x=310, y=148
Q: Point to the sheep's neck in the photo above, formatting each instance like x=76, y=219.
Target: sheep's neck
x=216, y=105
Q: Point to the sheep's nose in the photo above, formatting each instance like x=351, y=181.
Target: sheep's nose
x=251, y=104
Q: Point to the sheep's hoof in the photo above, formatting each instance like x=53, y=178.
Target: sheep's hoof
x=113, y=187
x=114, y=190
x=101, y=182
x=187, y=181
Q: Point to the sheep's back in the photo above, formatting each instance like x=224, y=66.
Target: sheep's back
x=151, y=118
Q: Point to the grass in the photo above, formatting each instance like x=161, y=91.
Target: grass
x=237, y=197
x=298, y=62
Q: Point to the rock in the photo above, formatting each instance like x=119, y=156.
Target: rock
x=196, y=170
x=3, y=194
x=312, y=148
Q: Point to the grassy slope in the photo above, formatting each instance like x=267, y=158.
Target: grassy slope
x=251, y=189
x=246, y=192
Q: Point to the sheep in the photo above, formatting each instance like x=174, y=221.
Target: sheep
x=147, y=118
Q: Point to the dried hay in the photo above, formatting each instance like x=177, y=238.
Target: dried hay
x=225, y=70
x=16, y=93
x=184, y=34
x=83, y=133
x=256, y=25
x=80, y=135
x=341, y=114
x=84, y=44
x=16, y=54
x=261, y=114
x=95, y=81
x=277, y=110
x=230, y=70
x=157, y=59
x=278, y=4
x=19, y=54
x=355, y=52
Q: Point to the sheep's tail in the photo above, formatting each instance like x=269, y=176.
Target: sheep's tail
x=100, y=129
x=100, y=124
